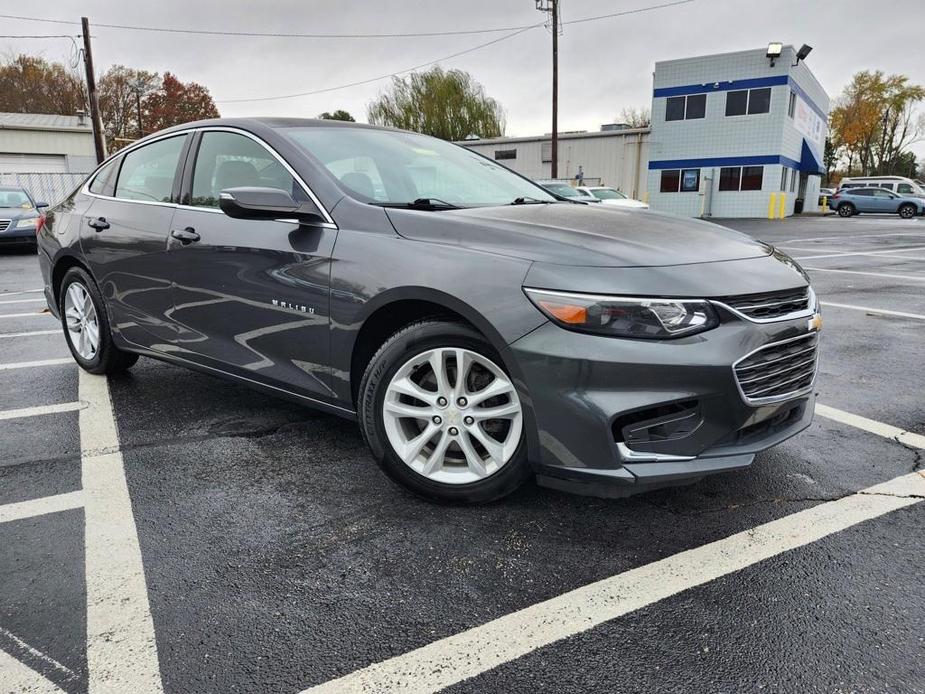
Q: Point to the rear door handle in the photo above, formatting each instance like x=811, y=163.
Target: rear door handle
x=99, y=223
x=185, y=236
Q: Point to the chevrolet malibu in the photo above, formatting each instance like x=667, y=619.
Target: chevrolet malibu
x=479, y=329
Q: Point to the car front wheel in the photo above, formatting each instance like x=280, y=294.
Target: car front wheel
x=86, y=327
x=441, y=415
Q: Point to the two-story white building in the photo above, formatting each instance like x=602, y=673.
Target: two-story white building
x=729, y=130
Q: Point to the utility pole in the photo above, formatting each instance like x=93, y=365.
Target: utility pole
x=552, y=7
x=95, y=118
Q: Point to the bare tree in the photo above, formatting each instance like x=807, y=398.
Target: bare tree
x=635, y=117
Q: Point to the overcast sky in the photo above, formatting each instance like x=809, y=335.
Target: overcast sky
x=604, y=65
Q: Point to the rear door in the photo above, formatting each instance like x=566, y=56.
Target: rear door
x=124, y=238
x=250, y=297
x=863, y=199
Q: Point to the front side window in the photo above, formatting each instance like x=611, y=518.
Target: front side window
x=229, y=160
x=104, y=183
x=402, y=167
x=904, y=188
x=148, y=172
x=883, y=194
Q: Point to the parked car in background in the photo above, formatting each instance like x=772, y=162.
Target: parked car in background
x=20, y=217
x=480, y=330
x=612, y=196
x=897, y=184
x=879, y=200
x=826, y=193
x=564, y=190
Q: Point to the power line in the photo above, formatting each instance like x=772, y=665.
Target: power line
x=39, y=36
x=519, y=31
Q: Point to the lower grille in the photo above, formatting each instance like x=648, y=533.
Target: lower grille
x=769, y=305
x=779, y=370
x=4, y=224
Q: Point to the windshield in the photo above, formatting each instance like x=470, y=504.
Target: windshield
x=607, y=194
x=563, y=189
x=15, y=198
x=387, y=167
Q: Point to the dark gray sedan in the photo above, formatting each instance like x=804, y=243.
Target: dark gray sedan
x=481, y=331
x=20, y=217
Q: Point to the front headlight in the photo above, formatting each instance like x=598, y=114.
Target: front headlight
x=29, y=223
x=618, y=316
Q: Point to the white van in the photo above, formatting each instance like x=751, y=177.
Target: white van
x=898, y=184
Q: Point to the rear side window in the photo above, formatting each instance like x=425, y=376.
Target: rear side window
x=148, y=172
x=228, y=160
x=104, y=183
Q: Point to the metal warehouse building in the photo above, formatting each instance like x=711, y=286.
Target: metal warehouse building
x=732, y=134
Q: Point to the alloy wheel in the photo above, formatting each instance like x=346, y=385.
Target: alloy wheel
x=83, y=325
x=452, y=415
x=907, y=211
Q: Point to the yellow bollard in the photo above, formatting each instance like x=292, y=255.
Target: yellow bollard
x=825, y=204
x=783, y=205
x=771, y=205
x=645, y=197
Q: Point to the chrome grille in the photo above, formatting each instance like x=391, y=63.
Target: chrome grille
x=769, y=305
x=779, y=370
x=4, y=224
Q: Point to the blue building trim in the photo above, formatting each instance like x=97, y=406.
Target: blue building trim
x=752, y=83
x=726, y=86
x=759, y=160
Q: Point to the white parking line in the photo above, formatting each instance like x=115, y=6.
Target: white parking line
x=874, y=311
x=25, y=315
x=39, y=507
x=41, y=410
x=17, y=677
x=32, y=333
x=842, y=254
x=32, y=364
x=23, y=301
x=849, y=236
x=874, y=427
x=21, y=291
x=121, y=648
x=37, y=654
x=872, y=274
x=470, y=653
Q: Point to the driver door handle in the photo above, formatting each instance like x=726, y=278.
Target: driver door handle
x=185, y=236
x=99, y=223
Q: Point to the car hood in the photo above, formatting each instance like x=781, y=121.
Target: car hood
x=16, y=213
x=585, y=235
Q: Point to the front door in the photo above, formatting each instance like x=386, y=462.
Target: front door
x=250, y=297
x=124, y=239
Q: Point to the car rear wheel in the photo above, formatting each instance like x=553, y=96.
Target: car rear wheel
x=907, y=211
x=86, y=327
x=846, y=209
x=441, y=415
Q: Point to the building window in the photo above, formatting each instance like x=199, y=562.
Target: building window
x=792, y=105
x=793, y=180
x=743, y=101
x=783, y=177
x=507, y=154
x=671, y=180
x=752, y=177
x=546, y=152
x=729, y=177
x=685, y=107
x=741, y=177
x=680, y=180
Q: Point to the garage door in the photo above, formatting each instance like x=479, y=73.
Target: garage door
x=32, y=163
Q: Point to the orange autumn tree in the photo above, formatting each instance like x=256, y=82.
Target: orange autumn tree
x=175, y=103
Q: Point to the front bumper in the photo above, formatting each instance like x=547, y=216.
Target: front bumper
x=590, y=395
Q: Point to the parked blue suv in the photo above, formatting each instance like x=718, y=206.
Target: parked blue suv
x=849, y=201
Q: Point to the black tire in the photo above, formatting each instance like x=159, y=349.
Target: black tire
x=398, y=349
x=907, y=211
x=108, y=359
x=846, y=209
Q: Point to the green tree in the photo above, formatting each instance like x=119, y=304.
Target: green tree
x=30, y=84
x=339, y=114
x=446, y=104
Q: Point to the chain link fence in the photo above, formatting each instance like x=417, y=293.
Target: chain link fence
x=45, y=187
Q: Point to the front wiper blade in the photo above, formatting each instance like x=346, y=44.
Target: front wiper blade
x=421, y=204
x=527, y=200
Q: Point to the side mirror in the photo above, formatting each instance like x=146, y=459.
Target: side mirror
x=40, y=205
x=265, y=203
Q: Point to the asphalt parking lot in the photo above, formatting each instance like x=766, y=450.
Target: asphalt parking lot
x=166, y=530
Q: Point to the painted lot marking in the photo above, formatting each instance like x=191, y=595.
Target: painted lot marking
x=40, y=507
x=844, y=237
x=121, y=649
x=871, y=274
x=33, y=364
x=875, y=311
x=20, y=291
x=41, y=410
x=33, y=333
x=23, y=301
x=842, y=254
x=25, y=315
x=477, y=650
x=874, y=427
x=18, y=677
